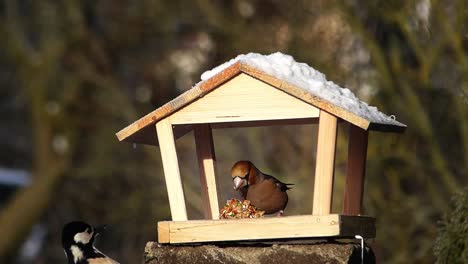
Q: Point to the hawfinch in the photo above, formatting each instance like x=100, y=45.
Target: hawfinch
x=265, y=192
x=78, y=243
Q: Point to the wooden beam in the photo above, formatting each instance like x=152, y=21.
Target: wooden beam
x=356, y=170
x=325, y=164
x=174, y=187
x=163, y=232
x=280, y=122
x=148, y=136
x=207, y=164
x=287, y=227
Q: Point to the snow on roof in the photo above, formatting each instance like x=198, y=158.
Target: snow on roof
x=303, y=76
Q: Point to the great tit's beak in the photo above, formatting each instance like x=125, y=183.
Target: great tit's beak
x=239, y=183
x=99, y=229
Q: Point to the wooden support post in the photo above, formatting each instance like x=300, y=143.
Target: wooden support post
x=325, y=164
x=207, y=164
x=356, y=169
x=174, y=187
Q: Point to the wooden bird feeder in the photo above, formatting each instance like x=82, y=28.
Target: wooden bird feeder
x=243, y=93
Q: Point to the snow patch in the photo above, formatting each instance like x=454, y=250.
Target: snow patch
x=303, y=76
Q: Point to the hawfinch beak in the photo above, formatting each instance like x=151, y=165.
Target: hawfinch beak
x=239, y=183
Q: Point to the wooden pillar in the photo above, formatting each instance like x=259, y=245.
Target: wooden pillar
x=325, y=164
x=174, y=187
x=356, y=170
x=207, y=164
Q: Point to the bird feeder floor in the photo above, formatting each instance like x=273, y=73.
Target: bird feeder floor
x=268, y=228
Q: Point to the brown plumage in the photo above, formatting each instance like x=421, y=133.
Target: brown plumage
x=102, y=261
x=264, y=191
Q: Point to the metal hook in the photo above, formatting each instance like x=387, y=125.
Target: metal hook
x=362, y=247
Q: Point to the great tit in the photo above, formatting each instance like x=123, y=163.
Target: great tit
x=78, y=242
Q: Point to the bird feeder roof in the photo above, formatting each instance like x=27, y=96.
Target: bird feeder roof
x=282, y=72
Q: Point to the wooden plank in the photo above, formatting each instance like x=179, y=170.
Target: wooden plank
x=149, y=137
x=355, y=172
x=279, y=122
x=304, y=226
x=207, y=165
x=325, y=164
x=243, y=98
x=174, y=187
x=163, y=232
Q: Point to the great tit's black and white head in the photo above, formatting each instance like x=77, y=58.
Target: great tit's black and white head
x=78, y=242
x=77, y=233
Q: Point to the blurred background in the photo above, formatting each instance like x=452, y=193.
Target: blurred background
x=73, y=73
